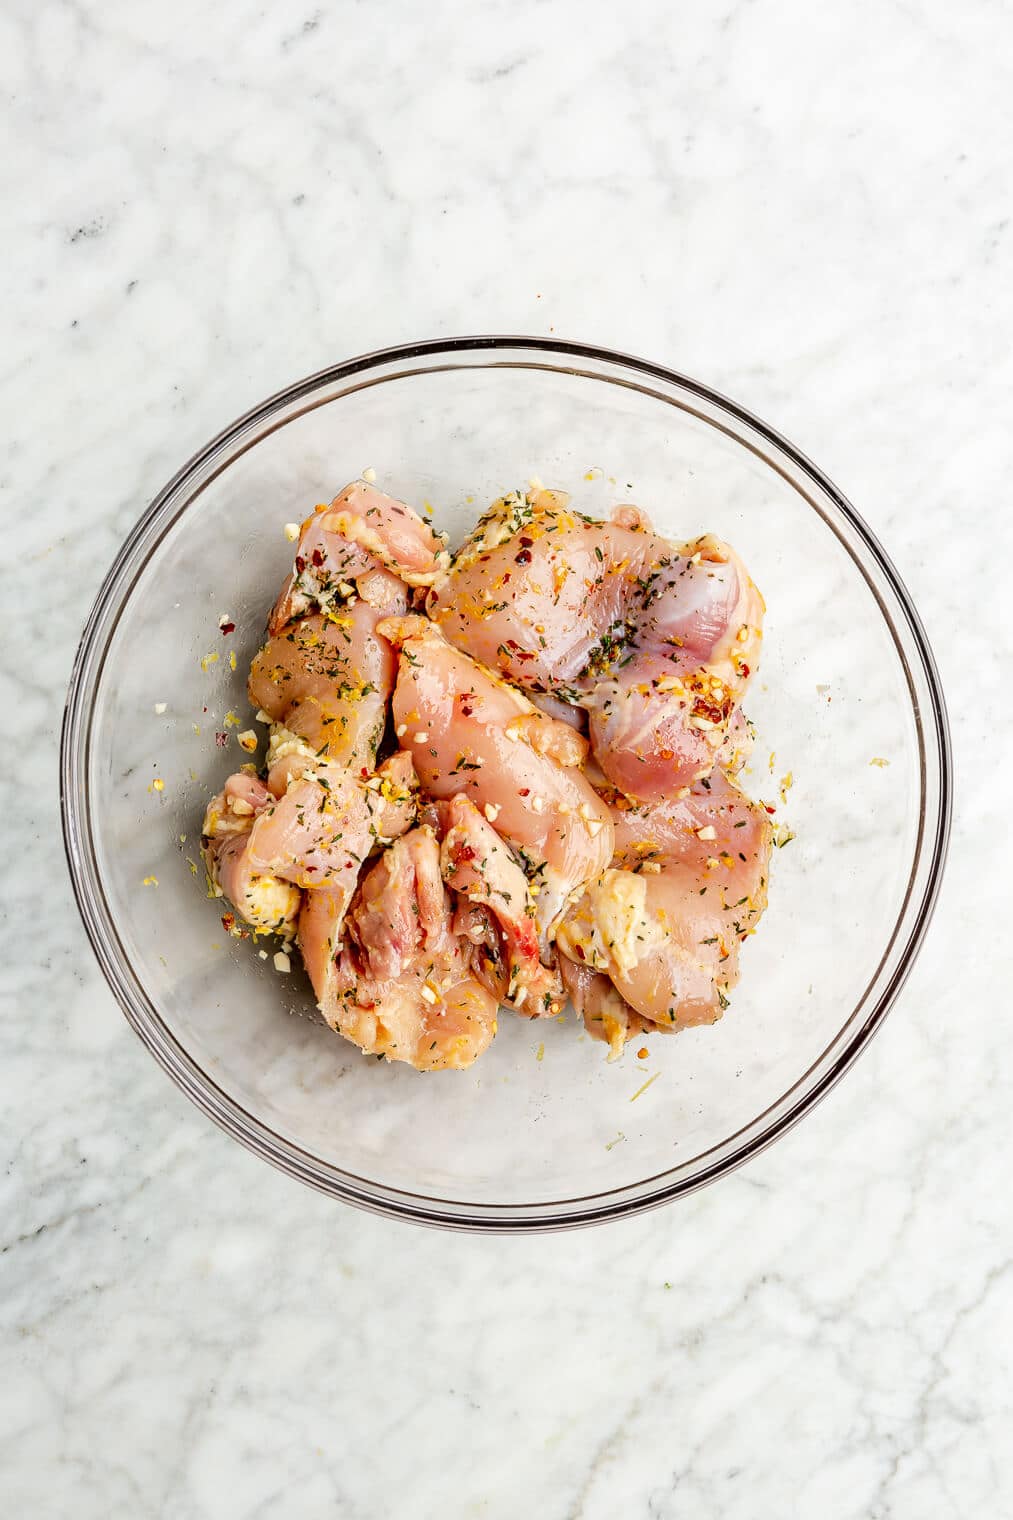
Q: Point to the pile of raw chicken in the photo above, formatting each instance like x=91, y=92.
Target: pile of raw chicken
x=502, y=778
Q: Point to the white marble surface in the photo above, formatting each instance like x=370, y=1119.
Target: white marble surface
x=809, y=208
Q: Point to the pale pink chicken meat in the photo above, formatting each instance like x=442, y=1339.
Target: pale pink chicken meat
x=471, y=734
x=327, y=679
x=578, y=836
x=325, y=674
x=605, y=1012
x=712, y=820
x=480, y=868
x=666, y=921
x=656, y=641
x=402, y=986
x=324, y=678
x=342, y=544
x=261, y=849
x=264, y=901
x=387, y=810
x=320, y=925
x=321, y=830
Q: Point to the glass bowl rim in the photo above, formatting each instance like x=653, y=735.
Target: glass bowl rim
x=112, y=598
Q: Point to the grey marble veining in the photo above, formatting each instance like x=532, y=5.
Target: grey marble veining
x=807, y=208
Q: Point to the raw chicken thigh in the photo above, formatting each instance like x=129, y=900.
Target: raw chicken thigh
x=523, y=796
x=666, y=921
x=266, y=902
x=390, y=809
x=343, y=546
x=468, y=732
x=656, y=641
x=322, y=829
x=328, y=680
x=402, y=987
x=480, y=868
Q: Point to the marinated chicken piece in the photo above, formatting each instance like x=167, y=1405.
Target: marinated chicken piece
x=713, y=821
x=402, y=986
x=390, y=802
x=607, y=1016
x=389, y=530
x=266, y=903
x=632, y=928
x=666, y=922
x=318, y=833
x=289, y=757
x=341, y=545
x=656, y=641
x=470, y=733
x=321, y=921
x=585, y=837
x=327, y=679
x=478, y=866
x=321, y=830
x=233, y=810
x=403, y=911
x=393, y=1020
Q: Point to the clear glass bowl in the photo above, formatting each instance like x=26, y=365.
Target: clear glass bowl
x=543, y=1132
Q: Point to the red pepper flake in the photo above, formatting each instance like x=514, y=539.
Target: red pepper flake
x=228, y=922
x=465, y=853
x=300, y=564
x=228, y=628
x=744, y=671
x=580, y=951
x=466, y=711
x=525, y=791
x=524, y=558
x=769, y=808
x=526, y=542
x=317, y=557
